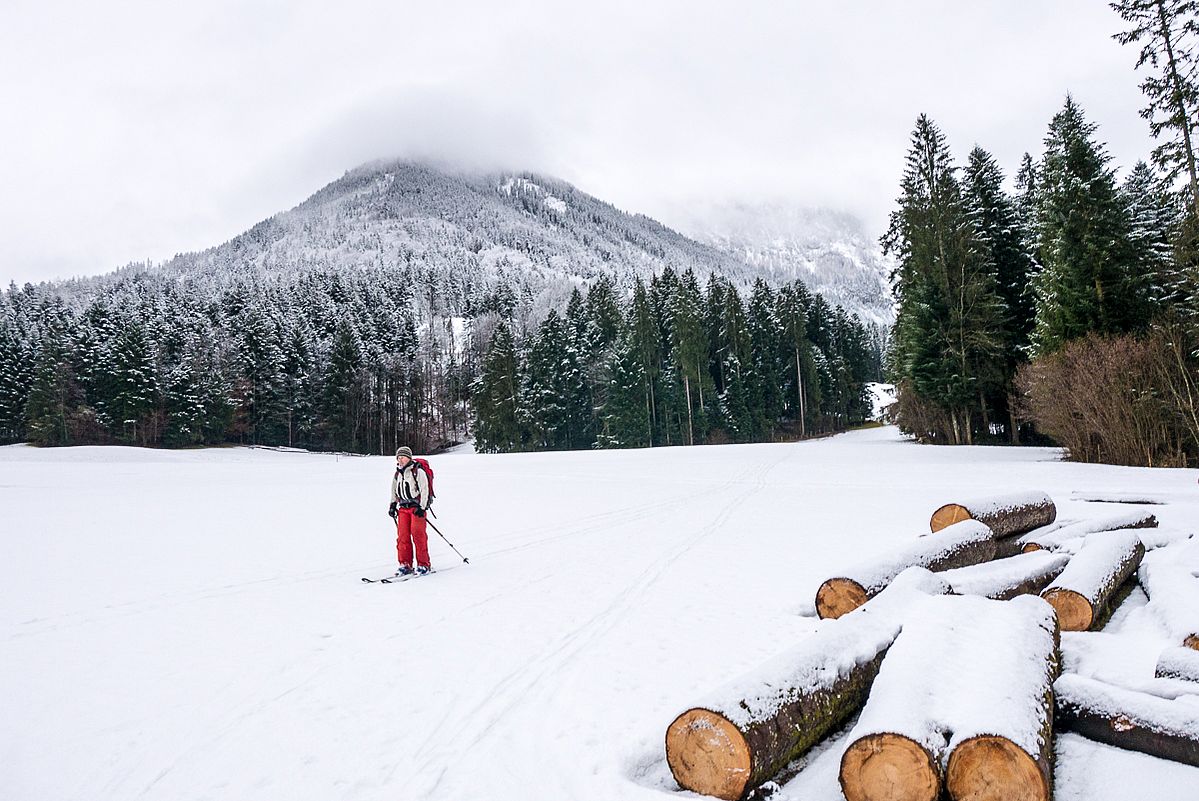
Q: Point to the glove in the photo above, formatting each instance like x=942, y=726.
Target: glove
x=419, y=512
x=391, y=510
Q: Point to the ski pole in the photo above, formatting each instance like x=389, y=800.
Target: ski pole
x=447, y=542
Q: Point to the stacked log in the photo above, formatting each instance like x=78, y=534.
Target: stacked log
x=931, y=724
x=1006, y=515
x=965, y=543
x=1066, y=535
x=1088, y=588
x=1179, y=663
x=747, y=731
x=1128, y=719
x=1004, y=579
x=1173, y=593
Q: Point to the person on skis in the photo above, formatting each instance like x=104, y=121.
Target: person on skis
x=410, y=497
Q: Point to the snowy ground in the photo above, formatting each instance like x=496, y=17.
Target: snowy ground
x=190, y=625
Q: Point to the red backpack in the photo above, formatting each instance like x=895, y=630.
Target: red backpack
x=424, y=464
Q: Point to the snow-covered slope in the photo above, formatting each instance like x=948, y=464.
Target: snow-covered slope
x=184, y=625
x=830, y=251
x=472, y=235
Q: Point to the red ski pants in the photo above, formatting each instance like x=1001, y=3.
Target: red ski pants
x=411, y=530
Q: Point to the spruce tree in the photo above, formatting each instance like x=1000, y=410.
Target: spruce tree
x=1089, y=279
x=496, y=396
x=626, y=420
x=949, y=323
x=1168, y=32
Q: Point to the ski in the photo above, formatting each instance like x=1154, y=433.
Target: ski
x=399, y=579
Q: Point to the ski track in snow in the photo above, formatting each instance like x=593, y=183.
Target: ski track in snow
x=190, y=625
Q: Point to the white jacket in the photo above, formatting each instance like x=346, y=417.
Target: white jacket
x=410, y=485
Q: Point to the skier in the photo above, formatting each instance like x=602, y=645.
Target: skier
x=410, y=497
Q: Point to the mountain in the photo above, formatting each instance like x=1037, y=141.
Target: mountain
x=830, y=251
x=476, y=237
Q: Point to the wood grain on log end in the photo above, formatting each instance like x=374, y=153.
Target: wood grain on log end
x=1192, y=642
x=1074, y=612
x=707, y=754
x=889, y=767
x=839, y=596
x=947, y=515
x=988, y=768
x=1029, y=547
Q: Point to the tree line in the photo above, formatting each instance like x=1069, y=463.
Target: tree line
x=1069, y=306
x=674, y=363
x=368, y=359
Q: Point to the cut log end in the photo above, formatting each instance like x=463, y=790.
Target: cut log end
x=1029, y=547
x=947, y=515
x=839, y=596
x=1192, y=642
x=989, y=768
x=707, y=754
x=889, y=767
x=1074, y=612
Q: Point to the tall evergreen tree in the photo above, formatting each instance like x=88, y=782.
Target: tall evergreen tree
x=949, y=323
x=1168, y=32
x=496, y=396
x=1088, y=281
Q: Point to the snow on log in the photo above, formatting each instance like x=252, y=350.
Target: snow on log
x=1128, y=719
x=1006, y=515
x=1004, y=579
x=962, y=544
x=963, y=699
x=1179, y=663
x=1082, y=592
x=1083, y=528
x=1173, y=593
x=751, y=728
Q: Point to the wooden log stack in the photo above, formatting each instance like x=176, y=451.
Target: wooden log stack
x=1128, y=719
x=965, y=543
x=1086, y=590
x=931, y=723
x=747, y=731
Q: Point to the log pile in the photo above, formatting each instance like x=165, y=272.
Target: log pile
x=932, y=724
x=747, y=731
x=964, y=543
x=956, y=671
x=1084, y=592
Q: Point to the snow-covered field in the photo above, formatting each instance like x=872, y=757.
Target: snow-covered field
x=190, y=625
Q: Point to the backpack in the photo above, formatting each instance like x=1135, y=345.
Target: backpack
x=424, y=465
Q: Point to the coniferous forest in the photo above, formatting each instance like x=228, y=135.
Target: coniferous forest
x=1069, y=308
x=365, y=360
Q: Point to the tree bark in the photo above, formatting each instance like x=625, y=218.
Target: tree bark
x=1007, y=515
x=754, y=727
x=923, y=729
x=967, y=543
x=1004, y=579
x=1085, y=590
x=1075, y=531
x=1128, y=719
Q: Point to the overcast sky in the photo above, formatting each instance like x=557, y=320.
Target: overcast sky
x=136, y=130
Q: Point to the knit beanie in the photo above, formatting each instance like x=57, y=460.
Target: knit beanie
x=404, y=451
